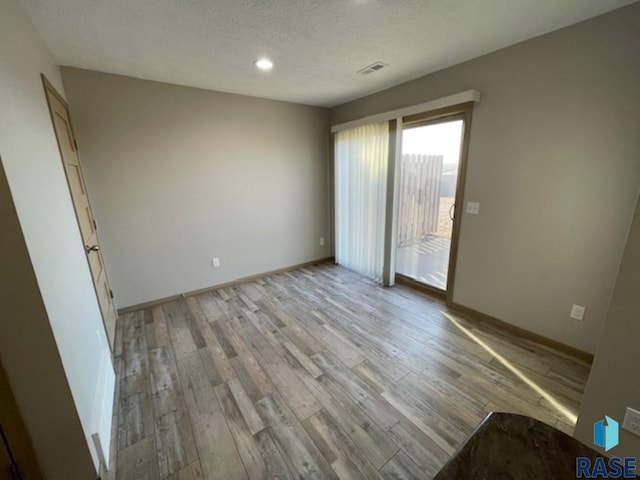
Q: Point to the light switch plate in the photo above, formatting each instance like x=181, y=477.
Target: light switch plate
x=473, y=208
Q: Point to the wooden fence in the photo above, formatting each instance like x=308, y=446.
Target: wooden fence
x=419, y=197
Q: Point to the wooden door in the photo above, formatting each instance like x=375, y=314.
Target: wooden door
x=17, y=459
x=68, y=151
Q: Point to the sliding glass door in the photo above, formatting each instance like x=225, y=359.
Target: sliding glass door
x=397, y=185
x=429, y=170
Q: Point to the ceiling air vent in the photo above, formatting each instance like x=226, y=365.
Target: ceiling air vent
x=374, y=67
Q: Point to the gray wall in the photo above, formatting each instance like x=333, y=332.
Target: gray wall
x=52, y=342
x=614, y=382
x=553, y=162
x=179, y=175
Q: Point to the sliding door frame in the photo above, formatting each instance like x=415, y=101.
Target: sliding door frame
x=456, y=112
x=398, y=119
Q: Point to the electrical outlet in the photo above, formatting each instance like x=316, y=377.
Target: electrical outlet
x=215, y=262
x=631, y=421
x=577, y=312
x=321, y=241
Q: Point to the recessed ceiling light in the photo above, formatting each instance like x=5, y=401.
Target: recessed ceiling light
x=264, y=64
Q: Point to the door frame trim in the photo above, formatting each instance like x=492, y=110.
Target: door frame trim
x=49, y=88
x=428, y=106
x=463, y=112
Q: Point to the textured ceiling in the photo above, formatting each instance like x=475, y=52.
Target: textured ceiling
x=317, y=45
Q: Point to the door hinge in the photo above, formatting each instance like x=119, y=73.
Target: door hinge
x=111, y=293
x=75, y=144
x=95, y=225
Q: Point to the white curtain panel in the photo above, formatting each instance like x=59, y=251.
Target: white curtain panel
x=361, y=157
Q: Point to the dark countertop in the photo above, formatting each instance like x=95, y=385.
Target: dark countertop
x=509, y=446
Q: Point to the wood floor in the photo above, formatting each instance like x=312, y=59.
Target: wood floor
x=318, y=373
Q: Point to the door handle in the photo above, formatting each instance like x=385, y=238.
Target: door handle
x=452, y=212
x=91, y=248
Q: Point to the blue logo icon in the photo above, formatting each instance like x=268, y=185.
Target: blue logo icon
x=605, y=433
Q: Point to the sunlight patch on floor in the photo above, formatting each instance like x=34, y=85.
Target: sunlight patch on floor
x=566, y=412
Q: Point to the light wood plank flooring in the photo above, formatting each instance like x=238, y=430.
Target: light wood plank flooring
x=318, y=373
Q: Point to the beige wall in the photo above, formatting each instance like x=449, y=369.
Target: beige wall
x=553, y=162
x=52, y=342
x=179, y=175
x=30, y=356
x=614, y=383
